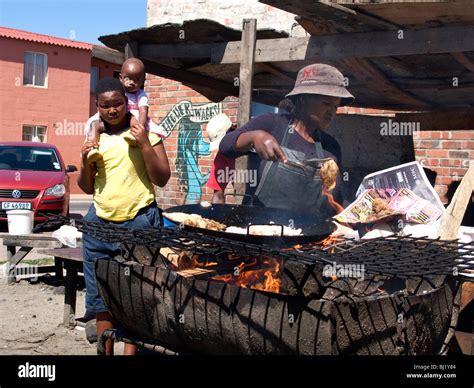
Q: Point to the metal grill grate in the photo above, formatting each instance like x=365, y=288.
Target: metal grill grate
x=401, y=256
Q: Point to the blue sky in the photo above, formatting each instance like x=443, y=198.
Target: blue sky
x=82, y=20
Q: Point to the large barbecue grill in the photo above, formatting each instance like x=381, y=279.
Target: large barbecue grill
x=405, y=302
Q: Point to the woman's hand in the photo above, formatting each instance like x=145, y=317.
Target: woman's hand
x=267, y=147
x=139, y=133
x=88, y=147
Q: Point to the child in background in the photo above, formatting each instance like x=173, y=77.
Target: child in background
x=132, y=77
x=122, y=185
x=222, y=166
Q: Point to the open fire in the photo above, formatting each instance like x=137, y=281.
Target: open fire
x=266, y=278
x=334, y=204
x=257, y=273
x=262, y=273
x=218, y=306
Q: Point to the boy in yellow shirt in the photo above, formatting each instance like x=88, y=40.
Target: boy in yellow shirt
x=122, y=185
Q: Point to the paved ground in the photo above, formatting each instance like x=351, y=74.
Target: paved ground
x=79, y=204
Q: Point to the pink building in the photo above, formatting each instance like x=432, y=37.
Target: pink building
x=46, y=90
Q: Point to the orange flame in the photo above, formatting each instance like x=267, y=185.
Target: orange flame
x=336, y=206
x=264, y=279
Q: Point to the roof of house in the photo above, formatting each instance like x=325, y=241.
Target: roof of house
x=13, y=33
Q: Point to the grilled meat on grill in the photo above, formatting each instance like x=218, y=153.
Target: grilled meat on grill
x=195, y=220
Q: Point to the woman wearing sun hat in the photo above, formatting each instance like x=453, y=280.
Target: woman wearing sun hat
x=278, y=143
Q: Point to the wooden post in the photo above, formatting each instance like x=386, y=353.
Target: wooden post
x=451, y=220
x=58, y=268
x=131, y=50
x=249, y=34
x=11, y=250
x=69, y=317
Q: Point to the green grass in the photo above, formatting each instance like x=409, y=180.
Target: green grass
x=43, y=261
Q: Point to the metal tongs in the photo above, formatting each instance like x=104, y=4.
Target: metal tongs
x=311, y=167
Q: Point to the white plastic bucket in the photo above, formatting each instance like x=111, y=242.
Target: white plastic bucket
x=20, y=221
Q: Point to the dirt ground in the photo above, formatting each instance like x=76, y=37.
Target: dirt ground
x=31, y=315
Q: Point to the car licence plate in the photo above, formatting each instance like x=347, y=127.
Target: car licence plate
x=16, y=205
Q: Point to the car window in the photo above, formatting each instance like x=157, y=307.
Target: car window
x=29, y=158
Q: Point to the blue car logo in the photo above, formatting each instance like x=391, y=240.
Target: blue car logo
x=16, y=194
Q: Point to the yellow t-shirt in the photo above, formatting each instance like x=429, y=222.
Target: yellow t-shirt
x=121, y=186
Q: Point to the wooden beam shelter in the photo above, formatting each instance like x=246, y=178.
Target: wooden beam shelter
x=355, y=45
x=249, y=35
x=392, y=60
x=220, y=89
x=334, y=14
x=131, y=50
x=108, y=55
x=372, y=44
x=440, y=120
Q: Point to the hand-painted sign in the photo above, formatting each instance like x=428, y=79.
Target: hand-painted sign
x=191, y=145
x=200, y=113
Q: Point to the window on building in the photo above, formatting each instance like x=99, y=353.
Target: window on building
x=35, y=69
x=116, y=74
x=94, y=77
x=34, y=133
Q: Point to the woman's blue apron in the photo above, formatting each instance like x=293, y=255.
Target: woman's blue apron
x=290, y=187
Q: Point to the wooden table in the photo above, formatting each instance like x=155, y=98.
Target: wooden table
x=26, y=243
x=71, y=259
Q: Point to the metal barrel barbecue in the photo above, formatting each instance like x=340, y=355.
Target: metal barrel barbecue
x=206, y=316
x=203, y=315
x=403, y=304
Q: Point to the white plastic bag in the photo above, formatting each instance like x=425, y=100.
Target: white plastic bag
x=67, y=235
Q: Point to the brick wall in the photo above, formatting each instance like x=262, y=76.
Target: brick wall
x=165, y=94
x=446, y=152
x=226, y=12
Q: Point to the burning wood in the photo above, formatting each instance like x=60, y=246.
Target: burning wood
x=187, y=262
x=255, y=273
x=264, y=279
